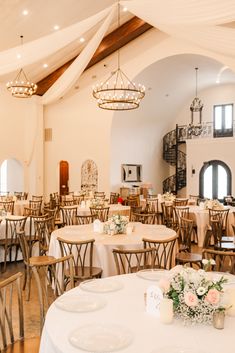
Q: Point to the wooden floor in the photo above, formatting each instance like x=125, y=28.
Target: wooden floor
x=31, y=308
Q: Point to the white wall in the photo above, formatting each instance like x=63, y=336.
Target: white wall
x=15, y=176
x=21, y=137
x=202, y=150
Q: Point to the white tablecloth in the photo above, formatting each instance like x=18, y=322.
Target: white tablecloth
x=126, y=308
x=113, y=209
x=104, y=243
x=201, y=218
x=19, y=207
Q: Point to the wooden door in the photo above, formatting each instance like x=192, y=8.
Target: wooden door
x=64, y=177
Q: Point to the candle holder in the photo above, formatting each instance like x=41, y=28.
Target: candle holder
x=218, y=319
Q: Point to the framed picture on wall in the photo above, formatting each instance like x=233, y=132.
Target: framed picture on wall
x=131, y=172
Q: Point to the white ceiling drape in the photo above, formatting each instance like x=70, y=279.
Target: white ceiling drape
x=71, y=75
x=43, y=47
x=183, y=12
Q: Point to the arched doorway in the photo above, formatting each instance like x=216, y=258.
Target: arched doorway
x=215, y=180
x=64, y=177
x=11, y=176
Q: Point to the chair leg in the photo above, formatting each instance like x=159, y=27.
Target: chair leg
x=29, y=275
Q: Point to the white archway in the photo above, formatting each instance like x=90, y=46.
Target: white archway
x=11, y=176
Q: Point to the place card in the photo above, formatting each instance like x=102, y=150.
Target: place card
x=153, y=299
x=96, y=226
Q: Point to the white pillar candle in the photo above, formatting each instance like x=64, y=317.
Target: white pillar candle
x=231, y=301
x=166, y=311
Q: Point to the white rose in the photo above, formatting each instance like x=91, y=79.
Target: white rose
x=201, y=290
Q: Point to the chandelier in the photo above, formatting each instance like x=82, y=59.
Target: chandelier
x=21, y=87
x=195, y=107
x=118, y=92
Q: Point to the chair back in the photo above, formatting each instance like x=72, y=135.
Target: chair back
x=19, y=195
x=224, y=260
x=11, y=305
x=185, y=233
x=36, y=205
x=43, y=229
x=99, y=195
x=221, y=215
x=37, y=198
x=82, y=252
x=82, y=220
x=181, y=212
x=7, y=206
x=68, y=202
x=113, y=198
x=130, y=261
x=168, y=215
x=100, y=213
x=133, y=200
x=49, y=277
x=145, y=218
x=13, y=228
x=77, y=199
x=180, y=202
x=152, y=205
x=164, y=251
x=69, y=215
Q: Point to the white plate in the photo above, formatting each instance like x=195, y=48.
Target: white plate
x=101, y=285
x=80, y=303
x=101, y=338
x=151, y=274
x=177, y=349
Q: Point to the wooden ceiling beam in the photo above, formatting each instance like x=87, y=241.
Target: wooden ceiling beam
x=112, y=42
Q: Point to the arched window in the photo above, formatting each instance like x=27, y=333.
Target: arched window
x=215, y=180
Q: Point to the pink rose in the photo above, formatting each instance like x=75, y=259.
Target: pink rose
x=190, y=299
x=164, y=284
x=213, y=296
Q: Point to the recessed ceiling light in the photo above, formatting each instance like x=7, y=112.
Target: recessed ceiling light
x=18, y=56
x=45, y=65
x=82, y=39
x=56, y=27
x=25, y=12
x=125, y=9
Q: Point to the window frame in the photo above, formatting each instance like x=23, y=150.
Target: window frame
x=215, y=163
x=222, y=132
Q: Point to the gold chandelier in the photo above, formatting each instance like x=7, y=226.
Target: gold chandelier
x=21, y=87
x=118, y=92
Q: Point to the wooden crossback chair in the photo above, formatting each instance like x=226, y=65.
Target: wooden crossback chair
x=49, y=277
x=8, y=206
x=164, y=251
x=12, y=340
x=82, y=251
x=100, y=213
x=82, y=220
x=133, y=260
x=225, y=260
x=11, y=240
x=69, y=215
x=145, y=218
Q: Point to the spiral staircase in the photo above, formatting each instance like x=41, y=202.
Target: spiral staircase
x=176, y=158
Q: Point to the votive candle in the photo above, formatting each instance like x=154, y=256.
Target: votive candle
x=166, y=311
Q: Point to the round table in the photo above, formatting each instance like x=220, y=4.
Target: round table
x=104, y=243
x=125, y=307
x=201, y=217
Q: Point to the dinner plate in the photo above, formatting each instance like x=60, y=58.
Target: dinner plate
x=101, y=285
x=151, y=274
x=80, y=303
x=101, y=338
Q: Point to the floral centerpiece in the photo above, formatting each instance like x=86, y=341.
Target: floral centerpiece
x=195, y=295
x=116, y=224
x=213, y=204
x=168, y=196
x=97, y=202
